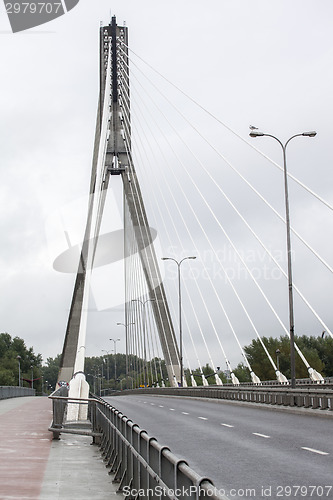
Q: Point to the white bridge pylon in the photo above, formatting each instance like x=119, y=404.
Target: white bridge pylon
x=112, y=156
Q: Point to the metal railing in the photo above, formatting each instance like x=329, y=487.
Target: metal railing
x=141, y=466
x=7, y=391
x=315, y=398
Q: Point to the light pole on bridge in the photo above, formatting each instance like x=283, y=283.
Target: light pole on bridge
x=32, y=376
x=18, y=357
x=143, y=303
x=115, y=359
x=180, y=314
x=126, y=325
x=107, y=361
x=256, y=133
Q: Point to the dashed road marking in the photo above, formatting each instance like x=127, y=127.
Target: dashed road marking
x=261, y=435
x=315, y=451
x=185, y=413
x=227, y=425
x=161, y=406
x=203, y=418
x=171, y=409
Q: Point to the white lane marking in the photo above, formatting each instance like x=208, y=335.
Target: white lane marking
x=261, y=435
x=171, y=409
x=161, y=406
x=185, y=413
x=145, y=402
x=203, y=418
x=153, y=404
x=228, y=425
x=315, y=451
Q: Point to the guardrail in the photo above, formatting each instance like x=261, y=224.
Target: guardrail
x=283, y=396
x=141, y=466
x=8, y=391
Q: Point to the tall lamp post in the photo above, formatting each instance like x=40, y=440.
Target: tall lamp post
x=18, y=357
x=107, y=365
x=256, y=133
x=115, y=358
x=126, y=342
x=32, y=376
x=180, y=314
x=143, y=303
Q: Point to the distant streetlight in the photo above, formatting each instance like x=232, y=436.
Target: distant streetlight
x=32, y=377
x=256, y=133
x=115, y=358
x=107, y=361
x=278, y=352
x=126, y=342
x=180, y=314
x=143, y=303
x=19, y=365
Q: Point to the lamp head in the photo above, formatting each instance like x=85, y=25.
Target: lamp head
x=256, y=133
x=310, y=134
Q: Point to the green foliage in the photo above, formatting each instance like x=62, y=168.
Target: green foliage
x=10, y=349
x=242, y=373
x=50, y=373
x=317, y=351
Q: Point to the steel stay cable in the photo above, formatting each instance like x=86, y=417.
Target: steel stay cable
x=192, y=181
x=218, y=259
x=172, y=305
x=328, y=205
x=158, y=305
x=196, y=284
x=312, y=250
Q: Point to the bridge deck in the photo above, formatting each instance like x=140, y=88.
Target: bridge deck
x=32, y=466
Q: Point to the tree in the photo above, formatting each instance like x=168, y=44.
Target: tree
x=50, y=372
x=242, y=373
x=317, y=351
x=9, y=371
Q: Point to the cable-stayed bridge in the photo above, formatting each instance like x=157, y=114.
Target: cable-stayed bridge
x=184, y=200
x=164, y=163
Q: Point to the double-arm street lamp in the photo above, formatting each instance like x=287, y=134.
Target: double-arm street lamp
x=126, y=342
x=107, y=361
x=256, y=133
x=143, y=303
x=180, y=314
x=115, y=358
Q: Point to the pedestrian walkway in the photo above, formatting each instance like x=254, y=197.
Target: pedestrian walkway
x=34, y=467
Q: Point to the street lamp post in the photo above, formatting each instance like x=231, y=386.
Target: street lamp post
x=18, y=357
x=32, y=377
x=126, y=342
x=256, y=133
x=278, y=352
x=180, y=314
x=143, y=303
x=115, y=358
x=107, y=365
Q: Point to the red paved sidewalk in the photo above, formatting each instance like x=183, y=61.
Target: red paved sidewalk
x=24, y=447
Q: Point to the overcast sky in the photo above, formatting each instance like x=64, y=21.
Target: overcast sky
x=263, y=63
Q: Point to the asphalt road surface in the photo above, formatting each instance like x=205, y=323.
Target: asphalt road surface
x=246, y=452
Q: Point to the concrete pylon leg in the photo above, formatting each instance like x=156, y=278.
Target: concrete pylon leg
x=78, y=388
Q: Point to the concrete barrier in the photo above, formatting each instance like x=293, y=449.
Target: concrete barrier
x=8, y=391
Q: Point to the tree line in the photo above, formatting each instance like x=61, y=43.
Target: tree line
x=115, y=372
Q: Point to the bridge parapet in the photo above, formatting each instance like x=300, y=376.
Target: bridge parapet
x=313, y=398
x=140, y=465
x=7, y=392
